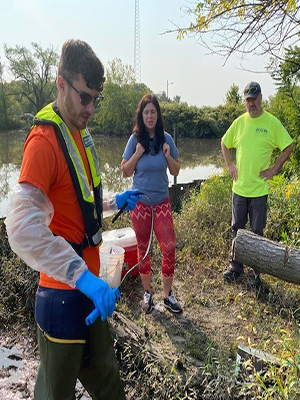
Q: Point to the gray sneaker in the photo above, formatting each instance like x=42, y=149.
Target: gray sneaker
x=170, y=302
x=147, y=302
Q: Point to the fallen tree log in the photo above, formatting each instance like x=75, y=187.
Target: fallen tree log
x=267, y=256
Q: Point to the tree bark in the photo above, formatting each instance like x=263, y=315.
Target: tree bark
x=267, y=256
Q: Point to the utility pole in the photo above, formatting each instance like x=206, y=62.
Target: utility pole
x=168, y=83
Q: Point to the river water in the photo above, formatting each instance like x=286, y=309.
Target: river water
x=199, y=159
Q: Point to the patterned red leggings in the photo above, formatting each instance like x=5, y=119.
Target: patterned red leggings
x=164, y=231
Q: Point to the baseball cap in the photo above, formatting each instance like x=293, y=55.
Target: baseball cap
x=252, y=90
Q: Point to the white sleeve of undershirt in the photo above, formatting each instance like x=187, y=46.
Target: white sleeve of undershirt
x=27, y=223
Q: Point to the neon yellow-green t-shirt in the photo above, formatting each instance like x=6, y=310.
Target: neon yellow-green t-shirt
x=254, y=140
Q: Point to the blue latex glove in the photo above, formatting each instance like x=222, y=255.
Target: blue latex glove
x=90, y=319
x=131, y=196
x=97, y=290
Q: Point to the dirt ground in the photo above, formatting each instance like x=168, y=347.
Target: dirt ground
x=179, y=334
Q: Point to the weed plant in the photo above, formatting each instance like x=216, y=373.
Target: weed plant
x=203, y=225
x=279, y=379
x=284, y=211
x=146, y=378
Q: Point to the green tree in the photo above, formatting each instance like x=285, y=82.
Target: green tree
x=10, y=107
x=35, y=70
x=204, y=122
x=233, y=96
x=286, y=74
x=260, y=27
x=3, y=103
x=286, y=103
x=121, y=97
x=15, y=107
x=176, y=99
x=162, y=96
x=120, y=74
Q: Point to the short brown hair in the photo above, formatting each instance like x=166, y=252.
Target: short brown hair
x=77, y=57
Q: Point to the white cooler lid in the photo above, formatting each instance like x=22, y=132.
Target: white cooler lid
x=124, y=237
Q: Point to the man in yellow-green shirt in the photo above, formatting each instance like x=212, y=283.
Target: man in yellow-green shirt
x=254, y=135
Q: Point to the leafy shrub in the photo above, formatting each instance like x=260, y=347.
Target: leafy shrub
x=284, y=211
x=203, y=226
x=203, y=122
x=18, y=285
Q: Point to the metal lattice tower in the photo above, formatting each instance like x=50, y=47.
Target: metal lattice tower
x=137, y=47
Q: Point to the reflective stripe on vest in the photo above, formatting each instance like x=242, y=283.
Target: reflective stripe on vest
x=78, y=163
x=91, y=206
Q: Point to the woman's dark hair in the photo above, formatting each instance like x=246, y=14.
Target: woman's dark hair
x=77, y=57
x=139, y=129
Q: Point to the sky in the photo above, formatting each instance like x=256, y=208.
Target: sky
x=108, y=26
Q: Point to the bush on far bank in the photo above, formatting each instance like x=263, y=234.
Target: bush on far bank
x=199, y=122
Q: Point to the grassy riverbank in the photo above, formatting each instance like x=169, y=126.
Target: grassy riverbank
x=198, y=349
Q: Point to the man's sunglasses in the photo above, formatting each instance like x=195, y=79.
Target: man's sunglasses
x=86, y=98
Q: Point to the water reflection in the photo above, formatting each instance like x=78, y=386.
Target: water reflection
x=198, y=159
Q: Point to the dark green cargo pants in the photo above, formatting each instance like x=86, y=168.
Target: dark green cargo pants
x=93, y=363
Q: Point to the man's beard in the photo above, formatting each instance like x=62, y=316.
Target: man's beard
x=254, y=111
x=79, y=120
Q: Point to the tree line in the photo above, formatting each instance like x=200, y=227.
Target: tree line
x=33, y=86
